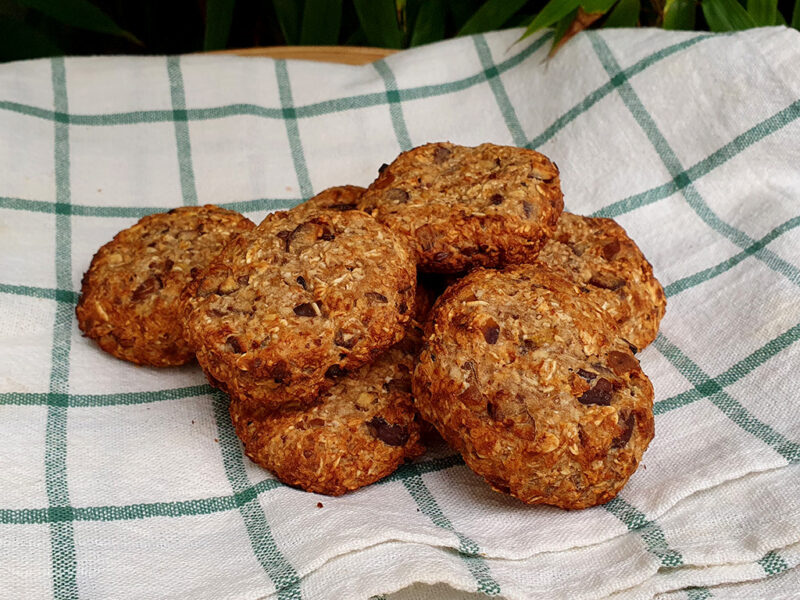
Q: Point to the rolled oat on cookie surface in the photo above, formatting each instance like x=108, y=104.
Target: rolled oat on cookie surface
x=462, y=207
x=129, y=295
x=302, y=298
x=527, y=377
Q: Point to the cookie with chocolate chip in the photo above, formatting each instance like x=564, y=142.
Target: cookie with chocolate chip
x=523, y=374
x=598, y=255
x=462, y=207
x=299, y=300
x=357, y=432
x=129, y=295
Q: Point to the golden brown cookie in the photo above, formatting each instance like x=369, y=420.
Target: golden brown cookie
x=340, y=198
x=521, y=373
x=297, y=301
x=129, y=295
x=597, y=254
x=462, y=207
x=357, y=432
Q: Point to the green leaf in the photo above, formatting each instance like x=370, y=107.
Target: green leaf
x=625, y=14
x=219, y=16
x=552, y=13
x=560, y=30
x=429, y=25
x=378, y=19
x=780, y=19
x=597, y=6
x=796, y=15
x=680, y=14
x=763, y=12
x=82, y=14
x=321, y=22
x=288, y=13
x=491, y=15
x=726, y=15
x=461, y=11
x=19, y=41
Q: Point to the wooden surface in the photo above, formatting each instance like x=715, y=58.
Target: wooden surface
x=348, y=55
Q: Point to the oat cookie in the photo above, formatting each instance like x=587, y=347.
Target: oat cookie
x=340, y=198
x=294, y=303
x=597, y=253
x=521, y=375
x=357, y=432
x=461, y=207
x=129, y=296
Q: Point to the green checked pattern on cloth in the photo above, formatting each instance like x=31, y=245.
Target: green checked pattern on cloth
x=125, y=482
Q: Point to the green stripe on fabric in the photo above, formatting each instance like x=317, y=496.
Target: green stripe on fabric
x=189, y=508
x=132, y=512
x=691, y=281
x=66, y=296
x=103, y=400
x=492, y=75
x=702, y=168
x=469, y=551
x=698, y=593
x=309, y=110
x=280, y=571
x=62, y=542
x=650, y=531
x=395, y=108
x=82, y=210
x=178, y=95
x=292, y=129
x=608, y=87
x=713, y=389
x=674, y=167
x=773, y=563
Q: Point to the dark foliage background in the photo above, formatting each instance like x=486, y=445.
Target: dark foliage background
x=36, y=28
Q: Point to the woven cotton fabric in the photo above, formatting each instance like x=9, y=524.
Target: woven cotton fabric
x=119, y=481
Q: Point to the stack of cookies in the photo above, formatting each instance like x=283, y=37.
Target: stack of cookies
x=317, y=326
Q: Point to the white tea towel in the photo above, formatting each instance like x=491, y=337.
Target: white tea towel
x=124, y=482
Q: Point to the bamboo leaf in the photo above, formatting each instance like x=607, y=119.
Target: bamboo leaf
x=726, y=15
x=429, y=25
x=680, y=14
x=19, y=41
x=460, y=11
x=625, y=14
x=493, y=14
x=321, y=22
x=219, y=16
x=597, y=6
x=82, y=14
x=288, y=13
x=763, y=12
x=552, y=13
x=796, y=15
x=378, y=19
